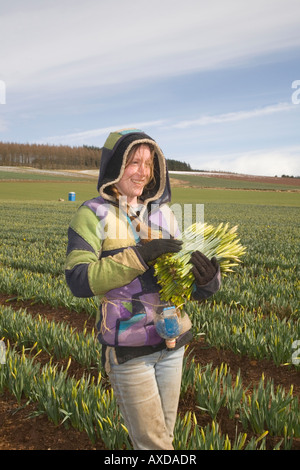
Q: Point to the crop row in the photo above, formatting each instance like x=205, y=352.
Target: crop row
x=251, y=286
x=88, y=405
x=265, y=408
x=246, y=332
x=43, y=288
x=227, y=324
x=55, y=338
x=255, y=314
x=83, y=404
x=214, y=388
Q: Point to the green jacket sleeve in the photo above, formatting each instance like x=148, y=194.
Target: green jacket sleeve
x=88, y=273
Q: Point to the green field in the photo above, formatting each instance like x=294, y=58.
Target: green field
x=37, y=176
x=255, y=317
x=47, y=191
x=235, y=183
x=227, y=196
x=52, y=191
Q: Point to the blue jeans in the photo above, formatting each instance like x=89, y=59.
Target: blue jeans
x=147, y=390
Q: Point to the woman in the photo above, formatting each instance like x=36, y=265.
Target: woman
x=113, y=240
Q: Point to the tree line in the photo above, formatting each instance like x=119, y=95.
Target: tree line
x=176, y=165
x=49, y=156
x=45, y=156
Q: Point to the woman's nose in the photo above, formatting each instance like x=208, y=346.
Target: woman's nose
x=141, y=168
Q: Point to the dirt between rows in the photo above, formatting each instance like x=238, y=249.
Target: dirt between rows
x=262, y=179
x=20, y=431
x=294, y=186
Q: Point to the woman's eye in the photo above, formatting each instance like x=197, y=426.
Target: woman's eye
x=137, y=162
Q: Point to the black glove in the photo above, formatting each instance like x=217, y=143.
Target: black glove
x=155, y=248
x=204, y=270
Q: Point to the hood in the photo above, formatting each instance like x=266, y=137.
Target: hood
x=113, y=160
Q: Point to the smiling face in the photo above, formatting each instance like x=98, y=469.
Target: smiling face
x=137, y=174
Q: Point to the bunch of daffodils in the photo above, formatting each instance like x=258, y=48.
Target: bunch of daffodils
x=173, y=271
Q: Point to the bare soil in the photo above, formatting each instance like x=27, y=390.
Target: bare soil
x=292, y=182
x=20, y=431
x=262, y=179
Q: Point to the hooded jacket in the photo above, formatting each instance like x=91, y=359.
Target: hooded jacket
x=102, y=259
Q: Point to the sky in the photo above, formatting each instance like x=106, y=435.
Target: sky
x=216, y=84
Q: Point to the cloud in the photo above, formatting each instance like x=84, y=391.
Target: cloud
x=72, y=64
x=234, y=116
x=72, y=45
x=263, y=162
x=83, y=136
x=80, y=138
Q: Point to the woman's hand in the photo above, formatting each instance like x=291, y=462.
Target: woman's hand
x=203, y=269
x=155, y=248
